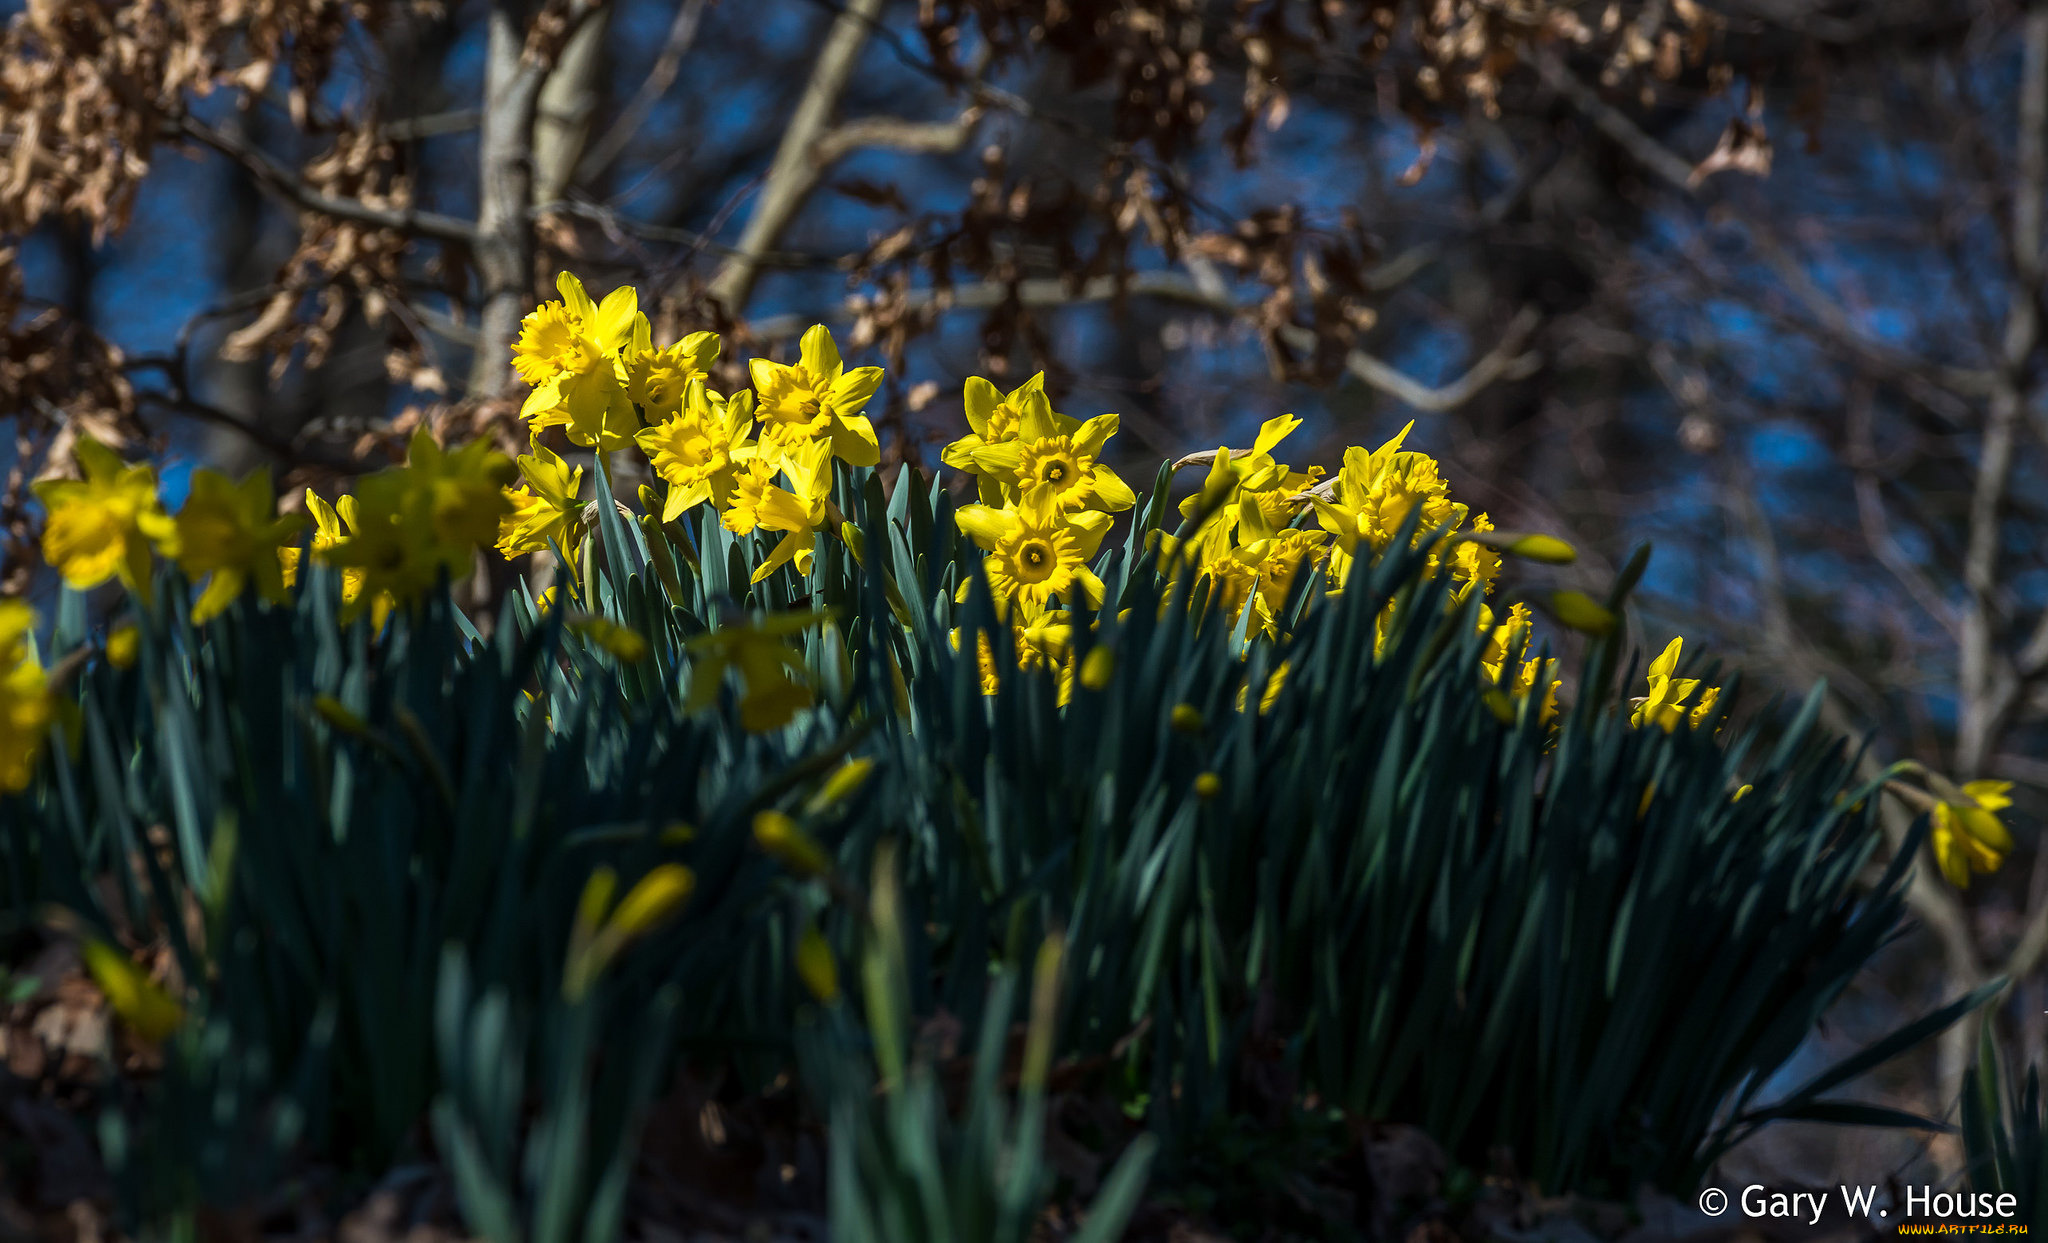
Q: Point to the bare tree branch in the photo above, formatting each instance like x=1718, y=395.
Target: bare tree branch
x=682, y=32
x=1506, y=360
x=286, y=184
x=795, y=168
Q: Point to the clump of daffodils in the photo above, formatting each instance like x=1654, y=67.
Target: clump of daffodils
x=1261, y=539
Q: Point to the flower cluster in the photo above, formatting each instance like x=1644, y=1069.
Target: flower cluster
x=1261, y=542
x=1047, y=501
x=394, y=539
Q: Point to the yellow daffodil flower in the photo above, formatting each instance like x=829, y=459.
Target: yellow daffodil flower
x=1665, y=705
x=657, y=381
x=544, y=508
x=230, y=534
x=1970, y=838
x=773, y=672
x=695, y=450
x=102, y=526
x=430, y=515
x=1232, y=475
x=570, y=352
x=817, y=398
x=1375, y=493
x=26, y=706
x=1037, y=555
x=797, y=510
x=998, y=418
x=1062, y=469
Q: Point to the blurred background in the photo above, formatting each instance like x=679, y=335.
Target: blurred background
x=1759, y=281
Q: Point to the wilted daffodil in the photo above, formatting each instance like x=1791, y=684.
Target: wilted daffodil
x=570, y=352
x=1968, y=836
x=102, y=526
x=544, y=508
x=797, y=510
x=1037, y=555
x=1665, y=705
x=25, y=703
x=998, y=418
x=232, y=532
x=1059, y=468
x=817, y=398
x=772, y=671
x=694, y=449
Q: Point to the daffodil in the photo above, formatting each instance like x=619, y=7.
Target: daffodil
x=1061, y=468
x=333, y=524
x=1509, y=639
x=230, y=534
x=102, y=526
x=657, y=381
x=1968, y=836
x=429, y=516
x=798, y=510
x=1375, y=494
x=997, y=418
x=1665, y=705
x=695, y=450
x=817, y=399
x=773, y=673
x=544, y=508
x=1234, y=478
x=1036, y=555
x=570, y=351
x=25, y=702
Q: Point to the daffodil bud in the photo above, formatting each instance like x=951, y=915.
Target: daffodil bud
x=123, y=645
x=789, y=845
x=1208, y=786
x=1582, y=613
x=657, y=896
x=1097, y=668
x=1186, y=719
x=841, y=785
x=146, y=1008
x=816, y=966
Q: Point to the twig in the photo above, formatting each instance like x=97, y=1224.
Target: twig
x=1505, y=360
x=286, y=184
x=795, y=169
x=682, y=32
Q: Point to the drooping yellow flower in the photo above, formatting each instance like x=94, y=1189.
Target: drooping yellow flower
x=1970, y=838
x=1061, y=468
x=817, y=398
x=997, y=418
x=545, y=508
x=1665, y=705
x=25, y=703
x=797, y=510
x=1036, y=554
x=658, y=380
x=102, y=525
x=1237, y=477
x=774, y=674
x=694, y=450
x=232, y=533
x=570, y=351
